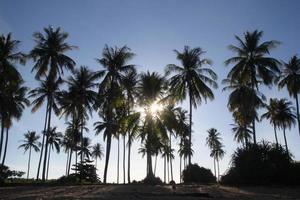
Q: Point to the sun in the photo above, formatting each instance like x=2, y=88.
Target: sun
x=155, y=108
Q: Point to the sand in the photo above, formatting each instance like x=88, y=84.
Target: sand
x=132, y=192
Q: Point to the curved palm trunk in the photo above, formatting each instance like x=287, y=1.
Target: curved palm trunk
x=285, y=141
x=129, y=152
x=298, y=117
x=67, y=163
x=5, y=147
x=47, y=141
x=118, y=163
x=108, y=145
x=124, y=150
x=190, y=133
x=43, y=144
x=28, y=167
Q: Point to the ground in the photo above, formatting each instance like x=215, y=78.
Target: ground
x=128, y=192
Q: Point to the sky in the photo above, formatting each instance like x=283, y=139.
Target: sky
x=152, y=29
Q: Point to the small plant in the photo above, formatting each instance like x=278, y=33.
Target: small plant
x=195, y=174
x=86, y=171
x=152, y=180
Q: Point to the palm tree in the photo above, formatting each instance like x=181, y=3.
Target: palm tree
x=212, y=141
x=290, y=77
x=47, y=91
x=12, y=103
x=50, y=62
x=80, y=98
x=271, y=115
x=9, y=57
x=252, y=63
x=192, y=78
x=218, y=153
x=30, y=141
x=114, y=61
x=242, y=133
x=85, y=148
x=97, y=152
x=286, y=117
x=54, y=141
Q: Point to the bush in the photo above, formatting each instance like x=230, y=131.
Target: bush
x=152, y=180
x=6, y=173
x=85, y=171
x=195, y=174
x=263, y=163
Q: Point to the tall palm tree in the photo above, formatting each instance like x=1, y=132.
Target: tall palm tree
x=97, y=152
x=80, y=98
x=218, y=153
x=242, y=133
x=85, y=148
x=252, y=64
x=213, y=140
x=192, y=79
x=114, y=61
x=30, y=141
x=13, y=101
x=272, y=114
x=47, y=91
x=290, y=78
x=54, y=141
x=50, y=61
x=286, y=117
x=9, y=57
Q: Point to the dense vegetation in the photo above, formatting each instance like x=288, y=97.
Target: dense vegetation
x=116, y=90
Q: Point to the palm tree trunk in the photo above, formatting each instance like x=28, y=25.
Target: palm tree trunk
x=168, y=169
x=124, y=151
x=155, y=164
x=215, y=167
x=285, y=141
x=190, y=133
x=76, y=162
x=129, y=151
x=47, y=141
x=218, y=169
x=67, y=163
x=118, y=163
x=253, y=121
x=48, y=161
x=28, y=167
x=275, y=132
x=70, y=161
x=81, y=133
x=2, y=135
x=180, y=162
x=96, y=163
x=43, y=143
x=149, y=158
x=165, y=169
x=108, y=145
x=298, y=117
x=5, y=147
x=171, y=166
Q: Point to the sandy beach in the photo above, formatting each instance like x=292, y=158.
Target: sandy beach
x=125, y=192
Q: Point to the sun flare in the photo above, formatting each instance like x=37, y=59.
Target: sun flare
x=155, y=108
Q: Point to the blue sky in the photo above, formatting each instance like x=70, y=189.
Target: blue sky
x=152, y=29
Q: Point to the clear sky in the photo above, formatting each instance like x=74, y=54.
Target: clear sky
x=152, y=29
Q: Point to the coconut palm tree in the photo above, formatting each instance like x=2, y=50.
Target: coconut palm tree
x=218, y=153
x=85, y=148
x=290, y=78
x=9, y=57
x=286, y=117
x=114, y=61
x=30, y=142
x=13, y=101
x=50, y=61
x=48, y=91
x=54, y=141
x=97, y=152
x=80, y=97
x=252, y=64
x=213, y=140
x=271, y=115
x=242, y=133
x=192, y=79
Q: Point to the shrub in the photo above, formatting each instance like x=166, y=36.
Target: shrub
x=195, y=174
x=152, y=180
x=6, y=173
x=263, y=163
x=85, y=171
